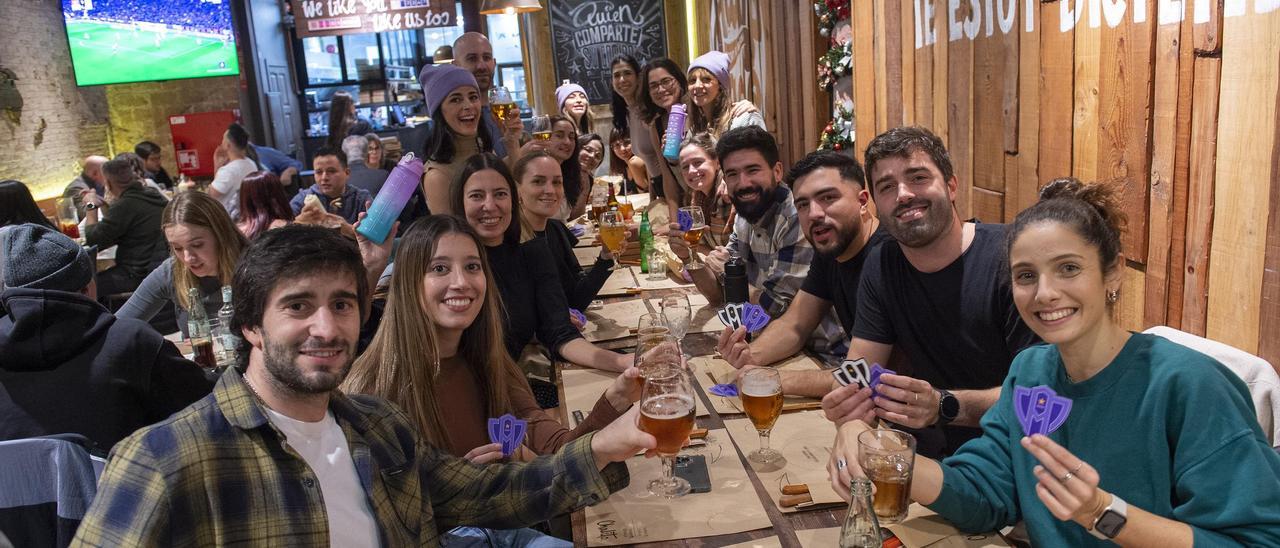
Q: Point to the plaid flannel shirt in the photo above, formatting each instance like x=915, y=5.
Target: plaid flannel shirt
x=219, y=473
x=778, y=257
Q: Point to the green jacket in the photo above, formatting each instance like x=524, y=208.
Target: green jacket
x=133, y=223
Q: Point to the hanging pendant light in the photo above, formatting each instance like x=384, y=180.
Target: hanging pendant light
x=494, y=7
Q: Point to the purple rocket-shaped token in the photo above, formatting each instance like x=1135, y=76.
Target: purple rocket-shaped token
x=685, y=220
x=724, y=390
x=1040, y=410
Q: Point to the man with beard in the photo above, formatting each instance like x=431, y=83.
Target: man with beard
x=836, y=218
x=941, y=295
x=766, y=234
x=277, y=456
x=473, y=52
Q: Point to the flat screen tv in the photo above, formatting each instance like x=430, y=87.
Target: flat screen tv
x=118, y=41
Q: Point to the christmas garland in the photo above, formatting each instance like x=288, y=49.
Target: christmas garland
x=837, y=62
x=829, y=12
x=838, y=135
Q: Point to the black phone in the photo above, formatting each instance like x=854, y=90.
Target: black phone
x=693, y=468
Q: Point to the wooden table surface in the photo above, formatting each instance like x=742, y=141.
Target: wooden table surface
x=784, y=525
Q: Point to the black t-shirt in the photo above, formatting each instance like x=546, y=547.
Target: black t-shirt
x=958, y=326
x=579, y=287
x=533, y=302
x=837, y=282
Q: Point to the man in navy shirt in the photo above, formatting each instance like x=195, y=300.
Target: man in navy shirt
x=331, y=187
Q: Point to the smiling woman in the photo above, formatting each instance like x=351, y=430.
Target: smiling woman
x=452, y=97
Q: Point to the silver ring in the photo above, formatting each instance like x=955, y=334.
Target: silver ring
x=1071, y=474
x=915, y=397
x=841, y=464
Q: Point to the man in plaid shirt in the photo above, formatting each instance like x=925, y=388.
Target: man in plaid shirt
x=277, y=456
x=766, y=235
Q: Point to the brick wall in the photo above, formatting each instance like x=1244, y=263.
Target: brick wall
x=60, y=123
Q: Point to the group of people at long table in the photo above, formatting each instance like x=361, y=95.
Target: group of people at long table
x=358, y=411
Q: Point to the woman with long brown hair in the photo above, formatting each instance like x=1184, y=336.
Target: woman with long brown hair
x=204, y=246
x=263, y=204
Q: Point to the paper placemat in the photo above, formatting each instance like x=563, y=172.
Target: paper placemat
x=614, y=320
x=633, y=515
x=805, y=442
x=766, y=542
x=670, y=282
x=621, y=282
x=705, y=318
x=819, y=538
x=711, y=371
x=586, y=255
x=583, y=388
x=923, y=527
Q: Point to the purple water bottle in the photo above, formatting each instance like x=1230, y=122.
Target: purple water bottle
x=675, y=132
x=390, y=201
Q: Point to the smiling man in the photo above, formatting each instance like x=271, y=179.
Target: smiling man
x=276, y=455
x=339, y=198
x=941, y=294
x=767, y=234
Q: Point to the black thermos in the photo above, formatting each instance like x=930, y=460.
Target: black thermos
x=734, y=286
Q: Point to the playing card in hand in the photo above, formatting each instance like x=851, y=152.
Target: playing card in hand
x=509, y=431
x=1040, y=410
x=754, y=317
x=684, y=219
x=731, y=315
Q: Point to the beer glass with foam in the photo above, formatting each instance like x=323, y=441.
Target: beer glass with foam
x=761, y=392
x=694, y=234
x=613, y=230
x=667, y=413
x=887, y=457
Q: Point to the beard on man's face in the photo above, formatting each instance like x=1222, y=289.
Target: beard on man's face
x=752, y=201
x=836, y=243
x=921, y=231
x=280, y=359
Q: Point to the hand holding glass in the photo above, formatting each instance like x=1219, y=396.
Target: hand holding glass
x=887, y=457
x=667, y=413
x=694, y=235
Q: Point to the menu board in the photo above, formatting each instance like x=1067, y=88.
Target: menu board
x=586, y=35
x=336, y=17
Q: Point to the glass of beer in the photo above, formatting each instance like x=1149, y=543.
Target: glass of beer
x=694, y=235
x=761, y=392
x=887, y=456
x=667, y=413
x=626, y=208
x=613, y=230
x=542, y=127
x=68, y=219
x=501, y=103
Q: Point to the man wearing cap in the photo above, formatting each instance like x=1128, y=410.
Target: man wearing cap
x=473, y=52
x=66, y=363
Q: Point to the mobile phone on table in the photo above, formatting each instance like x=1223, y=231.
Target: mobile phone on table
x=693, y=468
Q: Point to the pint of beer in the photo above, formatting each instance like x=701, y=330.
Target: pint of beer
x=760, y=390
x=887, y=457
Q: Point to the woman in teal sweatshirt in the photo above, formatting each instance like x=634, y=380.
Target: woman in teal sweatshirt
x=1160, y=446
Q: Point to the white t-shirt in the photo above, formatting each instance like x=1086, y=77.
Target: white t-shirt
x=323, y=446
x=227, y=181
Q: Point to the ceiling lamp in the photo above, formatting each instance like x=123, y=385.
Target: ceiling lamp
x=509, y=7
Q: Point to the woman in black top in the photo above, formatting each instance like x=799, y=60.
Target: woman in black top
x=541, y=189
x=527, y=280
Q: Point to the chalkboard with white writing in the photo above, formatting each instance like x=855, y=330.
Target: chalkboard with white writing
x=586, y=35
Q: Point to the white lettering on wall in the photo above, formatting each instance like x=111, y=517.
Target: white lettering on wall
x=1008, y=10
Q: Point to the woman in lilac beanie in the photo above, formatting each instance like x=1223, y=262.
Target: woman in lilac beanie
x=712, y=109
x=457, y=132
x=574, y=105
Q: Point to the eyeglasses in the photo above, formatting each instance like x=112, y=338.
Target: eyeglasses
x=663, y=83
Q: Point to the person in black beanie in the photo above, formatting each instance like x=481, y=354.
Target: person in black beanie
x=67, y=365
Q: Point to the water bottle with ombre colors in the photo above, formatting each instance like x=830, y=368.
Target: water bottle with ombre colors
x=675, y=132
x=391, y=199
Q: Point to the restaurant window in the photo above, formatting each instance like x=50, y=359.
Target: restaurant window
x=504, y=35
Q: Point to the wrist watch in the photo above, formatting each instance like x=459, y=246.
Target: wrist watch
x=1109, y=523
x=90, y=206
x=948, y=406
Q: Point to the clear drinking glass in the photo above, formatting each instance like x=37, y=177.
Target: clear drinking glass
x=541, y=127
x=760, y=390
x=657, y=265
x=501, y=103
x=887, y=457
x=679, y=314
x=667, y=413
x=694, y=235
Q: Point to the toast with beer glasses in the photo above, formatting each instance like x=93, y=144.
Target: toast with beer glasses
x=667, y=413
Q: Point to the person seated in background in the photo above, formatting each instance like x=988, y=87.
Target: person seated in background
x=541, y=190
x=263, y=204
x=152, y=161
x=590, y=156
x=712, y=110
x=17, y=206
x=473, y=53
x=325, y=468
x=525, y=273
x=766, y=234
x=331, y=187
x=376, y=153
x=231, y=165
x=204, y=246
x=1161, y=446
x=936, y=294
x=572, y=101
x=356, y=147
x=90, y=178
x=66, y=364
x=284, y=166
x=139, y=168
x=700, y=170
x=835, y=215
x=133, y=226
x=624, y=163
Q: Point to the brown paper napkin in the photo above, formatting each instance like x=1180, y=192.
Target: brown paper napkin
x=804, y=439
x=614, y=320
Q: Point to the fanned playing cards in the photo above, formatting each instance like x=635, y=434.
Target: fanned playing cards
x=509, y=431
x=751, y=315
x=851, y=371
x=1040, y=410
x=684, y=219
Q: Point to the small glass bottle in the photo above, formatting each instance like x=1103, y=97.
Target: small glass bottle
x=227, y=340
x=861, y=528
x=646, y=241
x=198, y=331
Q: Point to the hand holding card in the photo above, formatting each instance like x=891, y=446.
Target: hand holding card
x=1040, y=410
x=508, y=431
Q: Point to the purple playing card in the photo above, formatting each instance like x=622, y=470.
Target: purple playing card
x=725, y=390
x=685, y=220
x=876, y=371
x=1040, y=410
x=754, y=317
x=578, y=315
x=509, y=431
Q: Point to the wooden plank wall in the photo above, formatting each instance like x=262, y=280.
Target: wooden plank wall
x=1181, y=110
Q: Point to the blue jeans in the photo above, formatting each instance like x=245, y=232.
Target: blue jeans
x=478, y=537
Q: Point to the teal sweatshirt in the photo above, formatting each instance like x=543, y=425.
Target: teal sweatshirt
x=1169, y=430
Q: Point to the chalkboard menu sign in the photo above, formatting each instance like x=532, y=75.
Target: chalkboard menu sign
x=335, y=17
x=587, y=34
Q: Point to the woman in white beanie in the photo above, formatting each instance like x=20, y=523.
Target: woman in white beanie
x=574, y=105
x=712, y=110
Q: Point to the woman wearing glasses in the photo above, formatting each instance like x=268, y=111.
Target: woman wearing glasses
x=663, y=85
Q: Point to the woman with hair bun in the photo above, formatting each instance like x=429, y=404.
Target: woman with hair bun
x=1159, y=445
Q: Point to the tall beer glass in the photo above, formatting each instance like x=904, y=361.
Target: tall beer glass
x=667, y=412
x=887, y=457
x=613, y=231
x=694, y=235
x=761, y=393
x=656, y=352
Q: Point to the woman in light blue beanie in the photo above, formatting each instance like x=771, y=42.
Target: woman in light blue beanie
x=574, y=105
x=711, y=109
x=457, y=131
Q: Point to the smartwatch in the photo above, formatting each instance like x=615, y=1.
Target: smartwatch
x=90, y=206
x=948, y=406
x=1112, y=520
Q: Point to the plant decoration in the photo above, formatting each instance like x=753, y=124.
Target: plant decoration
x=835, y=64
x=838, y=135
x=829, y=12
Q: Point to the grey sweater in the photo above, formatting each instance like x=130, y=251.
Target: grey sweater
x=156, y=291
